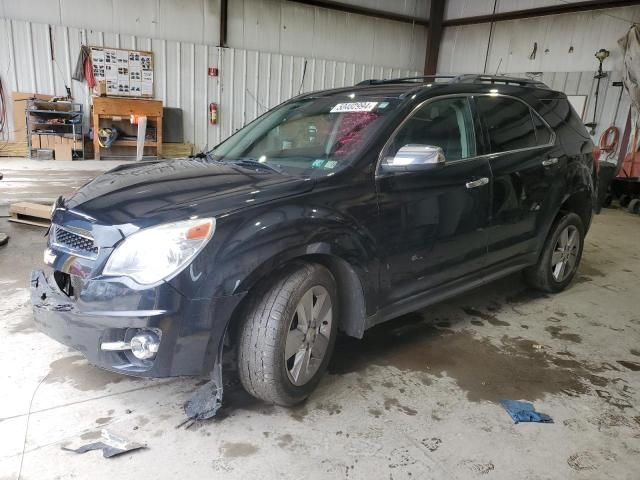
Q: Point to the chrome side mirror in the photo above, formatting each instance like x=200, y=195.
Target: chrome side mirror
x=414, y=158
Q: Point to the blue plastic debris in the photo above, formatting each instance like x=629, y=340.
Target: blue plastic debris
x=524, y=412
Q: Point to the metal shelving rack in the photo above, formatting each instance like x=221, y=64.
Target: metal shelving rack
x=67, y=119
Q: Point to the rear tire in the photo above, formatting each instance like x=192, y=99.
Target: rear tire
x=287, y=337
x=634, y=206
x=624, y=200
x=560, y=256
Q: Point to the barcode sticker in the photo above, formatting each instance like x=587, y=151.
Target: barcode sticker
x=354, y=107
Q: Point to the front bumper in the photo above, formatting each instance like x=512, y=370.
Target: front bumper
x=192, y=329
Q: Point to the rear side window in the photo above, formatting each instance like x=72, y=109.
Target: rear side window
x=509, y=123
x=543, y=133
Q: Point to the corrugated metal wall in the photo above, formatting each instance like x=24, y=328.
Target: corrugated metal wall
x=295, y=29
x=250, y=82
x=276, y=26
x=565, y=43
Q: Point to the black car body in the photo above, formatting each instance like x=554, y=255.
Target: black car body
x=395, y=238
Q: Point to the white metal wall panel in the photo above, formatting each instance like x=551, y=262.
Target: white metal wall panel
x=296, y=29
x=183, y=20
x=463, y=49
x=467, y=8
x=564, y=42
x=416, y=8
x=471, y=8
x=275, y=26
x=250, y=81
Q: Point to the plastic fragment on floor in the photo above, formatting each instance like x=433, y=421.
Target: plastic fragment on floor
x=111, y=445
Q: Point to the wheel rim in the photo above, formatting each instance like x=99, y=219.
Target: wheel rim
x=308, y=335
x=565, y=253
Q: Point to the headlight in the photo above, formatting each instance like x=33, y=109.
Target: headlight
x=158, y=253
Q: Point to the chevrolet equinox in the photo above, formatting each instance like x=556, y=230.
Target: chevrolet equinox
x=334, y=211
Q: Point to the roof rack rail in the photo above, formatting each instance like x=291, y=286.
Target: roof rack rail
x=466, y=78
x=482, y=78
x=375, y=81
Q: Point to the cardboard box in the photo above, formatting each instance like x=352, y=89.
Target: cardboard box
x=19, y=108
x=35, y=141
x=63, y=152
x=100, y=88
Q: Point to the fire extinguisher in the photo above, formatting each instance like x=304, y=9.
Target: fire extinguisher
x=213, y=113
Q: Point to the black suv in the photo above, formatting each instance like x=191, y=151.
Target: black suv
x=335, y=211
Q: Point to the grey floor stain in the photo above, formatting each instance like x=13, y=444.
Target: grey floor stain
x=492, y=319
x=588, y=270
x=24, y=326
x=237, y=449
x=284, y=440
x=525, y=296
x=375, y=412
x=557, y=332
x=633, y=366
x=83, y=376
x=516, y=368
x=393, y=403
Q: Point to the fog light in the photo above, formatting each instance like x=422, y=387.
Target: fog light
x=144, y=345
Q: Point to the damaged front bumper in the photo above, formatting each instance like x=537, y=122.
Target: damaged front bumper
x=191, y=330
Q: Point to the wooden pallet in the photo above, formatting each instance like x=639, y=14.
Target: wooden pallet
x=13, y=149
x=176, y=150
x=30, y=213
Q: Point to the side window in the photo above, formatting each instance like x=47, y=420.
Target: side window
x=509, y=123
x=445, y=123
x=543, y=134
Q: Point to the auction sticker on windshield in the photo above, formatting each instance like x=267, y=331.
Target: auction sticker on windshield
x=354, y=107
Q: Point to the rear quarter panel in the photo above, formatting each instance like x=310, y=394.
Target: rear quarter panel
x=574, y=141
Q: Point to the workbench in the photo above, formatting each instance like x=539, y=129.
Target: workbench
x=122, y=108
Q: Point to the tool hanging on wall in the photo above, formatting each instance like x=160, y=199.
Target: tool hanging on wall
x=601, y=55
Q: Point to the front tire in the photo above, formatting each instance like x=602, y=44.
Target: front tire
x=560, y=256
x=287, y=337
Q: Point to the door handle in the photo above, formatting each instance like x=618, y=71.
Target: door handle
x=477, y=183
x=549, y=161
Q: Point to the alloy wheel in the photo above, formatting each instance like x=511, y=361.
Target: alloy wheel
x=308, y=335
x=565, y=253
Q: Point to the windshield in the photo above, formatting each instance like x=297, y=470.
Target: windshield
x=309, y=137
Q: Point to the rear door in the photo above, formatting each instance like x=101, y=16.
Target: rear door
x=433, y=222
x=527, y=169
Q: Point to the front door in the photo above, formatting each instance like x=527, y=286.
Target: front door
x=433, y=222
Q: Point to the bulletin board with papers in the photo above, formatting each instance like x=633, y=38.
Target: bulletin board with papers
x=123, y=73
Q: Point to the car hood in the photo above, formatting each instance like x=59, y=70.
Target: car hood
x=158, y=192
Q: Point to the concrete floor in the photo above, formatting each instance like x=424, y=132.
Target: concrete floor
x=415, y=399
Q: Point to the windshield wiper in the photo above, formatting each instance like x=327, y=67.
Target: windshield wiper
x=252, y=162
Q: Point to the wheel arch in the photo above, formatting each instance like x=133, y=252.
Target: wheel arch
x=579, y=202
x=350, y=288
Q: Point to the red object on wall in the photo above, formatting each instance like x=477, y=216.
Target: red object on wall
x=213, y=71
x=213, y=113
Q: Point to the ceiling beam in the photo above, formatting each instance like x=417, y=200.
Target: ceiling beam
x=541, y=11
x=434, y=35
x=369, y=12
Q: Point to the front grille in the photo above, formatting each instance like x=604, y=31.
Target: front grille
x=74, y=242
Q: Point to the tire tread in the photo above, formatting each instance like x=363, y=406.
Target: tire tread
x=260, y=333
